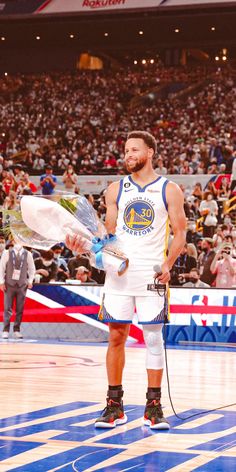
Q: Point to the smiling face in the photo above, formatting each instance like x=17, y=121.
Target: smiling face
x=137, y=154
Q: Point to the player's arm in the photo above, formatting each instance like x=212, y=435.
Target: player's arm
x=111, y=207
x=175, y=202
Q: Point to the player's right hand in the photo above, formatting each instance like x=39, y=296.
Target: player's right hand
x=76, y=244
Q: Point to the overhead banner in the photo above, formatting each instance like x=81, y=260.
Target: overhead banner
x=60, y=6
x=28, y=7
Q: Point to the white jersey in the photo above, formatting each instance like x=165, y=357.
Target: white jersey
x=142, y=234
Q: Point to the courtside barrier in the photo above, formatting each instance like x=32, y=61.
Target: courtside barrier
x=68, y=312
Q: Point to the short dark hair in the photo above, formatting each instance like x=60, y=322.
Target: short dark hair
x=148, y=138
x=56, y=247
x=47, y=255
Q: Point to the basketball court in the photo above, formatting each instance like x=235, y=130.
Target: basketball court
x=51, y=393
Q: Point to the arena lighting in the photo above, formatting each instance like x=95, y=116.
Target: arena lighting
x=72, y=36
x=135, y=62
x=152, y=61
x=140, y=32
x=3, y=38
x=6, y=74
x=3, y=135
x=38, y=38
x=176, y=30
x=224, y=58
x=213, y=28
x=144, y=61
x=224, y=51
x=217, y=58
x=105, y=34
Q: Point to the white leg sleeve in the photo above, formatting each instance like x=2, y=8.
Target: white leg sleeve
x=155, y=348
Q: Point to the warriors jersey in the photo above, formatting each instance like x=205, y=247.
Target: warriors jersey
x=142, y=234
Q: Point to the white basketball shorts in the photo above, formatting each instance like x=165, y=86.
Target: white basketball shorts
x=122, y=308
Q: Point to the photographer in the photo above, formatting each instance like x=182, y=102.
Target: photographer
x=182, y=266
x=224, y=266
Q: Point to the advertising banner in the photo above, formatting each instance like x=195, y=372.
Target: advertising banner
x=97, y=183
x=202, y=315
x=27, y=7
x=60, y=6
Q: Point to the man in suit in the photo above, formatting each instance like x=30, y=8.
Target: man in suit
x=17, y=272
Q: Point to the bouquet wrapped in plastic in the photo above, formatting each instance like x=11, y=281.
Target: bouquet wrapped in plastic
x=42, y=222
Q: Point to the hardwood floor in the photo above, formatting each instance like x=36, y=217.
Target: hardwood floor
x=51, y=393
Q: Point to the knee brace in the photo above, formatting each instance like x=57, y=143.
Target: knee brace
x=155, y=349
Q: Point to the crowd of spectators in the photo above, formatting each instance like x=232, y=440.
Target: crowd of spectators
x=82, y=118
x=76, y=123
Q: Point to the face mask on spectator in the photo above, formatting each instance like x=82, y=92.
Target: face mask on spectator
x=47, y=263
x=192, y=279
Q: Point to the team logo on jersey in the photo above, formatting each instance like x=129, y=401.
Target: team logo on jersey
x=138, y=215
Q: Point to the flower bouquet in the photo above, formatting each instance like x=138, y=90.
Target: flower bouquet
x=42, y=222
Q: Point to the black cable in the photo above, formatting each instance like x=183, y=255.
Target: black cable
x=169, y=392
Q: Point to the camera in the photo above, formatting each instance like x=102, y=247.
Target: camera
x=226, y=251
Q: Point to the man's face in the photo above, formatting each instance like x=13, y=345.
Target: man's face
x=193, y=276
x=57, y=253
x=137, y=154
x=205, y=246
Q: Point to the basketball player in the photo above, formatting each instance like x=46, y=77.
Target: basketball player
x=139, y=208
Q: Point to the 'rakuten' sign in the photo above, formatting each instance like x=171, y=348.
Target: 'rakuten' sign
x=77, y=6
x=60, y=6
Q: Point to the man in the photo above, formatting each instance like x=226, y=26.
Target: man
x=84, y=275
x=48, y=181
x=17, y=272
x=182, y=266
x=62, y=268
x=76, y=261
x=2, y=245
x=204, y=261
x=224, y=266
x=194, y=279
x=138, y=210
x=46, y=267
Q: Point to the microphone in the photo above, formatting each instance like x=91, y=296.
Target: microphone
x=156, y=286
x=157, y=269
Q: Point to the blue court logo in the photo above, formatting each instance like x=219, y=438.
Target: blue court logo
x=77, y=446
x=138, y=215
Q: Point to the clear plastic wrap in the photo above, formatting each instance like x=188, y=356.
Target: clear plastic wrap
x=42, y=222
